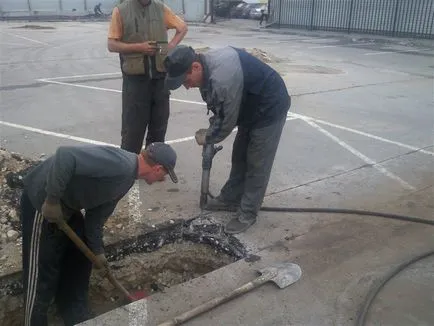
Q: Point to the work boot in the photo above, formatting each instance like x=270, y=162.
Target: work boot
x=239, y=224
x=218, y=204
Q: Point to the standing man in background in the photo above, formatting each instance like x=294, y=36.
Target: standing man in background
x=138, y=32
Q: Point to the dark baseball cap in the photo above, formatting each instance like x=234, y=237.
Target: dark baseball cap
x=177, y=64
x=164, y=155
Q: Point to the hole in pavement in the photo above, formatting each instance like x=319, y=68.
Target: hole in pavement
x=152, y=262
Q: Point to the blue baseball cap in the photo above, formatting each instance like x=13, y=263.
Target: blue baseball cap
x=177, y=63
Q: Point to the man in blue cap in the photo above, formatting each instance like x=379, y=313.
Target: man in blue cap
x=93, y=178
x=241, y=91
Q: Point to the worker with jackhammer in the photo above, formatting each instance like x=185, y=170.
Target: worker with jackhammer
x=89, y=178
x=242, y=91
x=138, y=32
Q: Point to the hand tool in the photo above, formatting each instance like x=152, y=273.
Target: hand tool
x=62, y=225
x=283, y=274
x=208, y=153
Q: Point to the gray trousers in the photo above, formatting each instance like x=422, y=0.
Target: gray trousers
x=252, y=159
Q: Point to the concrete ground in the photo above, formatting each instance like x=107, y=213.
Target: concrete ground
x=360, y=135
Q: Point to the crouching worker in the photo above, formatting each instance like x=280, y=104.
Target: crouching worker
x=93, y=178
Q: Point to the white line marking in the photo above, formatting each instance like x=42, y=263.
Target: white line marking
x=360, y=155
x=55, y=134
x=397, y=51
x=9, y=43
x=108, y=90
x=334, y=46
x=82, y=76
x=413, y=148
x=26, y=38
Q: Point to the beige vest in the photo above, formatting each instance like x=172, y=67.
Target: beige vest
x=141, y=24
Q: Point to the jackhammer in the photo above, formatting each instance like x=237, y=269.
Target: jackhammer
x=208, y=152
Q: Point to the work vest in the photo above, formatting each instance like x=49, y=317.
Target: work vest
x=140, y=24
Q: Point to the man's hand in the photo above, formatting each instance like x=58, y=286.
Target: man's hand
x=52, y=210
x=200, y=136
x=149, y=48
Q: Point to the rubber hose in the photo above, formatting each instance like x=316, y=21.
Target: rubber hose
x=372, y=294
x=348, y=211
x=361, y=316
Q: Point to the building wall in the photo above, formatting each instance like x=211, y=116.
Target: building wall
x=191, y=10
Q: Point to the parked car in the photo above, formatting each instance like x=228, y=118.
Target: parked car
x=248, y=8
x=256, y=13
x=237, y=11
x=223, y=8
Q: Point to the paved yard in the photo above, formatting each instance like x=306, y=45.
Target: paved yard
x=359, y=135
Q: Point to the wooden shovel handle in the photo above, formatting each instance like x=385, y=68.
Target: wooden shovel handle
x=217, y=301
x=91, y=256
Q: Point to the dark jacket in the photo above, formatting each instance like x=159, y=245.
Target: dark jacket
x=241, y=90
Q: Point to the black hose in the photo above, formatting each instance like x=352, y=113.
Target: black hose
x=348, y=211
x=362, y=314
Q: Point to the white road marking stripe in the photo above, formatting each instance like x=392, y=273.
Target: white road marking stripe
x=396, y=51
x=108, y=90
x=413, y=148
x=25, y=38
x=360, y=155
x=334, y=46
x=55, y=134
x=83, y=76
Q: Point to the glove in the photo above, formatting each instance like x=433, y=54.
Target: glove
x=52, y=211
x=200, y=136
x=101, y=262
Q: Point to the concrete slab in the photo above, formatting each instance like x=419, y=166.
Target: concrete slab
x=340, y=262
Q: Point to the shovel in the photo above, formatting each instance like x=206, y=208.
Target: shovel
x=62, y=225
x=283, y=274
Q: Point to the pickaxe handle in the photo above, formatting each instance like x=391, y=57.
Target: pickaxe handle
x=217, y=301
x=62, y=225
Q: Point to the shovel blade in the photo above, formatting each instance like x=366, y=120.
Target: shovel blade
x=283, y=274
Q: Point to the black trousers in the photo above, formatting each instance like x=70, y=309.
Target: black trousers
x=53, y=268
x=145, y=105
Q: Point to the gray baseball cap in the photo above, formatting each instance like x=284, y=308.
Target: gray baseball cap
x=164, y=155
x=177, y=64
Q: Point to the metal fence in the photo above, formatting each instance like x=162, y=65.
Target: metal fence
x=410, y=18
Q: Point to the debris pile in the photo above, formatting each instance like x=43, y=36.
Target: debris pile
x=12, y=167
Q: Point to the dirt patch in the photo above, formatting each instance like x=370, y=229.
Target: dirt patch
x=34, y=27
x=149, y=272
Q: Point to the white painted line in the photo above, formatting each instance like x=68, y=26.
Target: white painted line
x=413, y=148
x=81, y=76
x=108, y=90
x=54, y=134
x=378, y=53
x=334, y=46
x=397, y=51
x=360, y=155
x=26, y=38
x=10, y=43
